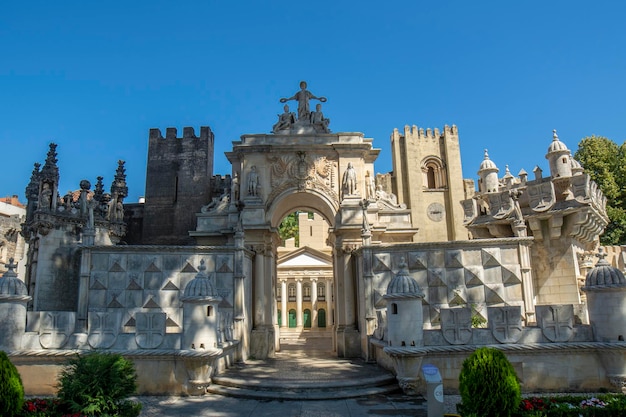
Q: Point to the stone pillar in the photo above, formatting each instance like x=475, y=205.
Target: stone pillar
x=299, y=323
x=83, y=289
x=259, y=293
x=240, y=331
x=314, y=303
x=348, y=338
x=283, y=304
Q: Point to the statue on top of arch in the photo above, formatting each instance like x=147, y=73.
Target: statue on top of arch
x=307, y=121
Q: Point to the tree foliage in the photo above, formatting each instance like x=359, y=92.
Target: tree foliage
x=289, y=228
x=605, y=162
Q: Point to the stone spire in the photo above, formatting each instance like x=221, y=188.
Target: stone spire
x=119, y=188
x=50, y=170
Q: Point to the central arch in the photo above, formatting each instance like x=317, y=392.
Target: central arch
x=308, y=267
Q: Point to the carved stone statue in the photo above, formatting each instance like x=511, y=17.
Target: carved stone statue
x=302, y=97
x=370, y=182
x=235, y=187
x=285, y=120
x=253, y=182
x=319, y=122
x=349, y=180
x=46, y=197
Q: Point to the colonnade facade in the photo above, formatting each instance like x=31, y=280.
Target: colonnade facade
x=305, y=302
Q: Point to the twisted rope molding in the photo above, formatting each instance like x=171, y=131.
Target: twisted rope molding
x=511, y=348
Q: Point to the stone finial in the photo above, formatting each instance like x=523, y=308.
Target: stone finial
x=555, y=137
x=99, y=189
x=10, y=269
x=50, y=170
x=119, y=187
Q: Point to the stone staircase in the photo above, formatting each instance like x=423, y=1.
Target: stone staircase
x=304, y=369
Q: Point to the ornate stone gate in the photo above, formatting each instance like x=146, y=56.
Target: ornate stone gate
x=301, y=165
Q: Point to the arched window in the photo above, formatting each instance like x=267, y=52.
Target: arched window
x=306, y=290
x=321, y=292
x=291, y=290
x=433, y=173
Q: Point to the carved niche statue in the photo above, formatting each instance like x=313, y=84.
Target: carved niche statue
x=253, y=182
x=349, y=181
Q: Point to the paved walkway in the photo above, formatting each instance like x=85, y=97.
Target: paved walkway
x=218, y=406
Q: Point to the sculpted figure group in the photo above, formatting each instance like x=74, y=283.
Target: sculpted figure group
x=306, y=118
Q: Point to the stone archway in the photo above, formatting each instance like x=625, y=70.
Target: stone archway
x=300, y=270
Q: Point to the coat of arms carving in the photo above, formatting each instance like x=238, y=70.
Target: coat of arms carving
x=541, y=196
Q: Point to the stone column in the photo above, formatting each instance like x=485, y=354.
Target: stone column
x=299, y=323
x=240, y=332
x=259, y=293
x=283, y=304
x=314, y=303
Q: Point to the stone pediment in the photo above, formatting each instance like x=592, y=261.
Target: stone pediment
x=305, y=256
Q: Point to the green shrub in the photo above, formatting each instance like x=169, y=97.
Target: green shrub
x=98, y=384
x=488, y=384
x=11, y=388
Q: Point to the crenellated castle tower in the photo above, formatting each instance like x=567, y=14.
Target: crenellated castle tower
x=428, y=178
x=178, y=182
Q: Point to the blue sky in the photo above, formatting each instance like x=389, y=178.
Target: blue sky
x=94, y=77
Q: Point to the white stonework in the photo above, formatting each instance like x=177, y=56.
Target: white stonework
x=511, y=254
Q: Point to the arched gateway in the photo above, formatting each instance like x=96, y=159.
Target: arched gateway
x=302, y=166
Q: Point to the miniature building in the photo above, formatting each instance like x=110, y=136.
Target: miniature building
x=196, y=278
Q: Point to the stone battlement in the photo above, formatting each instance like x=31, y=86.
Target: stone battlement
x=428, y=133
x=188, y=133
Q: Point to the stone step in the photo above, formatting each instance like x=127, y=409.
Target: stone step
x=310, y=390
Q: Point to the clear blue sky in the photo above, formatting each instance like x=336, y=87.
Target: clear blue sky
x=94, y=77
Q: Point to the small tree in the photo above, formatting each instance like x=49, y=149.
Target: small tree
x=11, y=388
x=488, y=385
x=98, y=384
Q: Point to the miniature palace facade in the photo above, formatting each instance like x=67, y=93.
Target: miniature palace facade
x=414, y=266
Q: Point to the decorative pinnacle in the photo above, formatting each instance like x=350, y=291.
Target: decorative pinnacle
x=555, y=137
x=10, y=269
x=202, y=266
x=486, y=154
x=601, y=255
x=402, y=264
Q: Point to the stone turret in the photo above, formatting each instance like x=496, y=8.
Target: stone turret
x=405, y=321
x=200, y=312
x=560, y=158
x=605, y=287
x=13, y=299
x=488, y=173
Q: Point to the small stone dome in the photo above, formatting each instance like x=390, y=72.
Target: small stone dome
x=576, y=166
x=556, y=145
x=10, y=284
x=604, y=274
x=200, y=286
x=487, y=164
x=403, y=284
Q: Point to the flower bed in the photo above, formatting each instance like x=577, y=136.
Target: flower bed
x=574, y=406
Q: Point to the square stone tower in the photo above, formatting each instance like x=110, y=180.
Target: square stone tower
x=178, y=184
x=428, y=178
